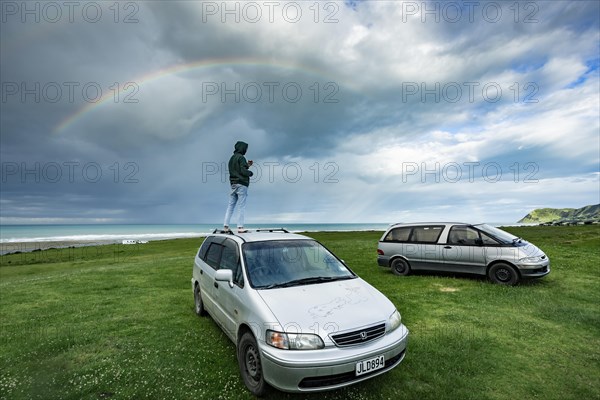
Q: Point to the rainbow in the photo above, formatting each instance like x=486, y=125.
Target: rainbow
x=182, y=68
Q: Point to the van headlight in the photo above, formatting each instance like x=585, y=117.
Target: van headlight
x=394, y=321
x=294, y=341
x=531, y=260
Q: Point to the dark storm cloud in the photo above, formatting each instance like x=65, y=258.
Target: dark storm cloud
x=160, y=156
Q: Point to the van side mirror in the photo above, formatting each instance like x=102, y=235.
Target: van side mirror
x=479, y=242
x=224, y=275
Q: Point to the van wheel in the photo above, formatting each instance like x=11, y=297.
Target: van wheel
x=400, y=267
x=199, y=305
x=503, y=274
x=250, y=365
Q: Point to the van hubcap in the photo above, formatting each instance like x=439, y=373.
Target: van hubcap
x=503, y=274
x=197, y=298
x=400, y=267
x=252, y=362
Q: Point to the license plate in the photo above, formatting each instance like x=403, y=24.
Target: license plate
x=366, y=366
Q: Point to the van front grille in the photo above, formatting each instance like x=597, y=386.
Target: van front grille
x=359, y=336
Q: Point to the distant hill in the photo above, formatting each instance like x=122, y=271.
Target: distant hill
x=558, y=215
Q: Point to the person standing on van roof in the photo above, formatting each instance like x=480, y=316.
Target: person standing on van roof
x=239, y=178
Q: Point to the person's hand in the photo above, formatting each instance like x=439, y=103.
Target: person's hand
x=250, y=162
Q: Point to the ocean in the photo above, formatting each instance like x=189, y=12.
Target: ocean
x=27, y=238
x=118, y=233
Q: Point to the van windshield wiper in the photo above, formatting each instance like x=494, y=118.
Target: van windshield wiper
x=308, y=281
x=305, y=281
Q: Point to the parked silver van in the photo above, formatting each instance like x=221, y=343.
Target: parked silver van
x=302, y=321
x=458, y=247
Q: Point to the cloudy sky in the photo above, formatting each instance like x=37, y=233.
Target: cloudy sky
x=361, y=111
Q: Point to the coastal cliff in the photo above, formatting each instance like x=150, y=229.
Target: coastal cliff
x=587, y=214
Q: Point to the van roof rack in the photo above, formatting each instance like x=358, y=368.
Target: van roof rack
x=221, y=230
x=273, y=230
x=232, y=232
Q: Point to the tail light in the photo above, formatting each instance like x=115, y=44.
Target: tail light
x=380, y=252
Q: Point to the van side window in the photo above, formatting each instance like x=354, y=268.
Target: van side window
x=204, y=248
x=398, y=235
x=426, y=234
x=230, y=259
x=487, y=240
x=463, y=235
x=213, y=255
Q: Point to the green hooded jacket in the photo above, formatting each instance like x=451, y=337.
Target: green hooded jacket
x=238, y=166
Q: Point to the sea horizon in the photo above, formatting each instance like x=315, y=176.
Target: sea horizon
x=117, y=232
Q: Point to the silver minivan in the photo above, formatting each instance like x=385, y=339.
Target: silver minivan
x=458, y=247
x=300, y=318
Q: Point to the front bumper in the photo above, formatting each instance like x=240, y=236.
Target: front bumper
x=331, y=367
x=534, y=270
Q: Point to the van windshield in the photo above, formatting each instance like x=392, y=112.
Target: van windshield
x=502, y=236
x=284, y=263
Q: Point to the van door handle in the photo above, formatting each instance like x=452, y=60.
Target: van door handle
x=447, y=247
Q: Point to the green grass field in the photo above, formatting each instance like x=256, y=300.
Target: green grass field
x=118, y=322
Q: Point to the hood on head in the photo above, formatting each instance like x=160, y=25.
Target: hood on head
x=241, y=147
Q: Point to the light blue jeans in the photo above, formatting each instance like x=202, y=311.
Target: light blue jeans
x=237, y=198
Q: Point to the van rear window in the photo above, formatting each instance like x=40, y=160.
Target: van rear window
x=398, y=235
x=426, y=234
x=419, y=234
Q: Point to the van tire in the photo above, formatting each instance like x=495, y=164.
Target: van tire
x=503, y=274
x=400, y=267
x=250, y=365
x=198, y=303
